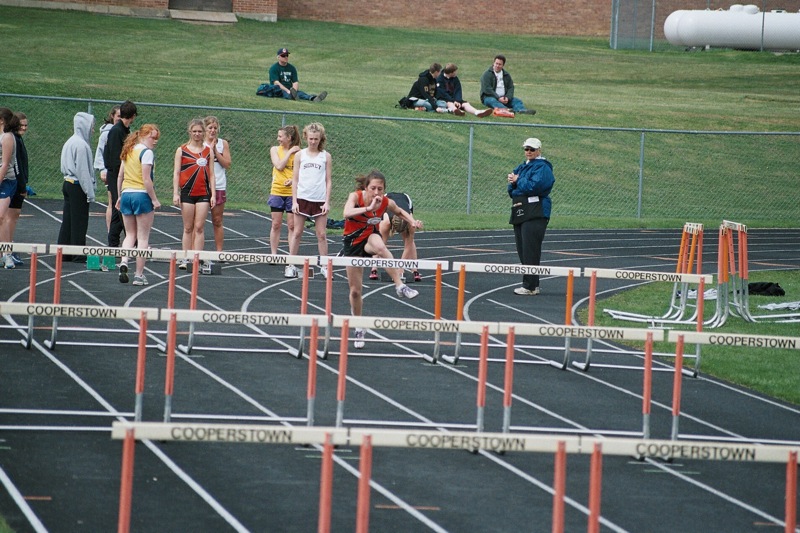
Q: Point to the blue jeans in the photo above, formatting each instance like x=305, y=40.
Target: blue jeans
x=300, y=95
x=427, y=105
x=273, y=91
x=516, y=104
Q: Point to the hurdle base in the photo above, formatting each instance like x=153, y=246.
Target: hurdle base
x=47, y=342
x=294, y=352
x=184, y=349
x=560, y=366
x=300, y=272
x=452, y=359
x=580, y=366
x=407, y=277
x=429, y=359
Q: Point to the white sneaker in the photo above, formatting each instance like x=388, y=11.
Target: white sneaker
x=290, y=271
x=183, y=264
x=8, y=262
x=404, y=291
x=522, y=291
x=323, y=270
x=359, y=340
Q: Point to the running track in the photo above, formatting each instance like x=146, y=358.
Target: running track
x=61, y=471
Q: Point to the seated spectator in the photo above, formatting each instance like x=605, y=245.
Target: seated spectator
x=448, y=88
x=497, y=88
x=423, y=92
x=284, y=83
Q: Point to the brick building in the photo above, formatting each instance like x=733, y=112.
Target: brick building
x=591, y=18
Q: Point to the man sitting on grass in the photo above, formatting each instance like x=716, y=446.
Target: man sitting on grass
x=283, y=82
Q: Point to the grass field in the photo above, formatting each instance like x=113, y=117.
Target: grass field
x=577, y=81
x=570, y=81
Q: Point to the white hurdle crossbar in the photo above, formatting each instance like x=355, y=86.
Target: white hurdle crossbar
x=720, y=339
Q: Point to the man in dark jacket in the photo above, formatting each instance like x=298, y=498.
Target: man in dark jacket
x=497, y=88
x=423, y=92
x=111, y=154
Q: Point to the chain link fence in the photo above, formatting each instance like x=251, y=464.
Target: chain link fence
x=639, y=24
x=458, y=167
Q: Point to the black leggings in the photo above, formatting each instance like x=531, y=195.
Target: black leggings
x=528, y=237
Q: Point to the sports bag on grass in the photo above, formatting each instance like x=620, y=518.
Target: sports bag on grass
x=505, y=113
x=265, y=89
x=405, y=103
x=765, y=288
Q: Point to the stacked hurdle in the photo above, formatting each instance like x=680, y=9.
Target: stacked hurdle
x=733, y=279
x=691, y=248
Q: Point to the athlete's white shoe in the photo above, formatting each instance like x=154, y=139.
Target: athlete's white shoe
x=404, y=291
x=359, y=340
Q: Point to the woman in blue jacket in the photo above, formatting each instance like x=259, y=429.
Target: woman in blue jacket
x=529, y=187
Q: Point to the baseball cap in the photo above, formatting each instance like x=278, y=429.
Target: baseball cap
x=532, y=142
x=283, y=52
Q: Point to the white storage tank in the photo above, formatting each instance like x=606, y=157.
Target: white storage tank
x=739, y=27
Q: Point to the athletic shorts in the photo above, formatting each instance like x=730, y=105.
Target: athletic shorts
x=221, y=197
x=17, y=200
x=135, y=203
x=280, y=203
x=357, y=250
x=309, y=209
x=8, y=188
x=186, y=199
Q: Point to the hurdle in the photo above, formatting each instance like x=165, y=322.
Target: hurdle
x=579, y=332
x=717, y=339
x=406, y=324
x=142, y=314
x=678, y=279
x=33, y=249
x=691, y=246
x=502, y=268
x=172, y=256
x=230, y=257
x=733, y=286
x=484, y=329
x=378, y=262
x=250, y=319
x=60, y=250
x=499, y=443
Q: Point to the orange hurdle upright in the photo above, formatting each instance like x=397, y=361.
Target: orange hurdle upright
x=312, y=372
x=26, y=342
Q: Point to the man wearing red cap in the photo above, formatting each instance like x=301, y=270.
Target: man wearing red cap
x=283, y=81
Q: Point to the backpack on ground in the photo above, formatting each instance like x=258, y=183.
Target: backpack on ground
x=405, y=103
x=765, y=288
